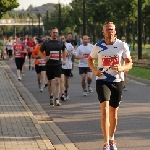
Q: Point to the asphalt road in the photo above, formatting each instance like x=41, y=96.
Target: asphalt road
x=79, y=117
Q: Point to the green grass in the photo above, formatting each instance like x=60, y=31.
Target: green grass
x=140, y=72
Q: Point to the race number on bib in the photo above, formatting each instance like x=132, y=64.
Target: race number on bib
x=110, y=61
x=41, y=62
x=54, y=55
x=30, y=49
x=18, y=55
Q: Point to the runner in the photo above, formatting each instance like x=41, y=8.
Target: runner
x=39, y=66
x=82, y=54
x=66, y=69
x=111, y=53
x=30, y=47
x=54, y=48
x=25, y=54
x=10, y=46
x=74, y=43
x=19, y=50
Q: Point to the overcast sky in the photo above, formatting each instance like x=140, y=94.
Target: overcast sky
x=25, y=3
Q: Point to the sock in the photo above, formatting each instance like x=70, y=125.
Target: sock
x=51, y=96
x=111, y=137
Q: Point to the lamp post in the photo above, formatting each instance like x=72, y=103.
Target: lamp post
x=84, y=18
x=139, y=29
x=59, y=17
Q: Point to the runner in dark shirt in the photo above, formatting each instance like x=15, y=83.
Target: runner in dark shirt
x=55, y=58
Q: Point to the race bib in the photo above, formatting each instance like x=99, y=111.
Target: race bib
x=30, y=49
x=18, y=55
x=86, y=56
x=41, y=62
x=110, y=61
x=54, y=55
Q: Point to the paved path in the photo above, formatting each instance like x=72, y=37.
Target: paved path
x=78, y=118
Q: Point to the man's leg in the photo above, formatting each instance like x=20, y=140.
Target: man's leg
x=42, y=78
x=62, y=88
x=57, y=90
x=89, y=81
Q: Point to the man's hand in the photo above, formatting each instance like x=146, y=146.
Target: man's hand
x=46, y=58
x=97, y=72
x=117, y=68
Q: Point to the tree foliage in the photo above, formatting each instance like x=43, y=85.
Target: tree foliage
x=7, y=5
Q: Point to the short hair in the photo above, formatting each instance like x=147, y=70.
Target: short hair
x=53, y=28
x=63, y=35
x=108, y=23
x=69, y=33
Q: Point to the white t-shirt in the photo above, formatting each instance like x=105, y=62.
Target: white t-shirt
x=9, y=45
x=109, y=55
x=84, y=51
x=68, y=64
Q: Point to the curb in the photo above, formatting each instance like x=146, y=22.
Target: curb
x=52, y=135
x=145, y=81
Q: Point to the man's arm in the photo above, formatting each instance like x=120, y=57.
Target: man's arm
x=64, y=57
x=93, y=68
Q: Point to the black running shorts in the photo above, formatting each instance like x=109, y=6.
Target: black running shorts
x=84, y=70
x=109, y=91
x=66, y=72
x=38, y=69
x=19, y=63
x=53, y=71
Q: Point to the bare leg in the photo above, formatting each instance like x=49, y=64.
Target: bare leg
x=83, y=76
x=104, y=108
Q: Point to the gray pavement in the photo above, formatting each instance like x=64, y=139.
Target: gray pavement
x=75, y=124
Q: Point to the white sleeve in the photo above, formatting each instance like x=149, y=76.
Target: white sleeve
x=94, y=51
x=126, y=51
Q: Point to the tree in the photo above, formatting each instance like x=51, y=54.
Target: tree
x=6, y=5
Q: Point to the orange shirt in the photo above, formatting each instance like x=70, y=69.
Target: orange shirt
x=35, y=52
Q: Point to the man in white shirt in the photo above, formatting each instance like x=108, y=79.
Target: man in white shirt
x=82, y=53
x=111, y=53
x=66, y=69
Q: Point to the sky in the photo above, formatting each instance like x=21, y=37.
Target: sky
x=24, y=4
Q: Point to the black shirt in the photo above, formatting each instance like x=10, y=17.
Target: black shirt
x=73, y=42
x=53, y=49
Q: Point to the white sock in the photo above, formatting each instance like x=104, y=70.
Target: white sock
x=18, y=73
x=111, y=137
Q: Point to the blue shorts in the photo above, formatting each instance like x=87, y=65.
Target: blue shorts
x=84, y=70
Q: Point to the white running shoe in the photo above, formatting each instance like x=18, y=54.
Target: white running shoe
x=41, y=90
x=57, y=103
x=85, y=93
x=90, y=89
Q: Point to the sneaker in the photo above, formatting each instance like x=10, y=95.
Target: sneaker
x=52, y=100
x=112, y=145
x=90, y=89
x=85, y=93
x=71, y=75
x=41, y=90
x=57, y=103
x=66, y=96
x=63, y=98
x=19, y=78
x=124, y=88
x=106, y=147
x=46, y=85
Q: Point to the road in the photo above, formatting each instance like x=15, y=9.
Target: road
x=79, y=117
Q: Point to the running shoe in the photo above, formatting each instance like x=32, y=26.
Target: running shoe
x=19, y=78
x=52, y=100
x=85, y=93
x=46, y=85
x=90, y=89
x=124, y=88
x=106, y=147
x=66, y=96
x=41, y=90
x=23, y=74
x=57, y=103
x=112, y=145
x=63, y=98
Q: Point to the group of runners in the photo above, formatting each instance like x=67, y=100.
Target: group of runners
x=54, y=61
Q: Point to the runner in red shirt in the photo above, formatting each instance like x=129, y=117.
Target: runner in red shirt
x=19, y=50
x=30, y=47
